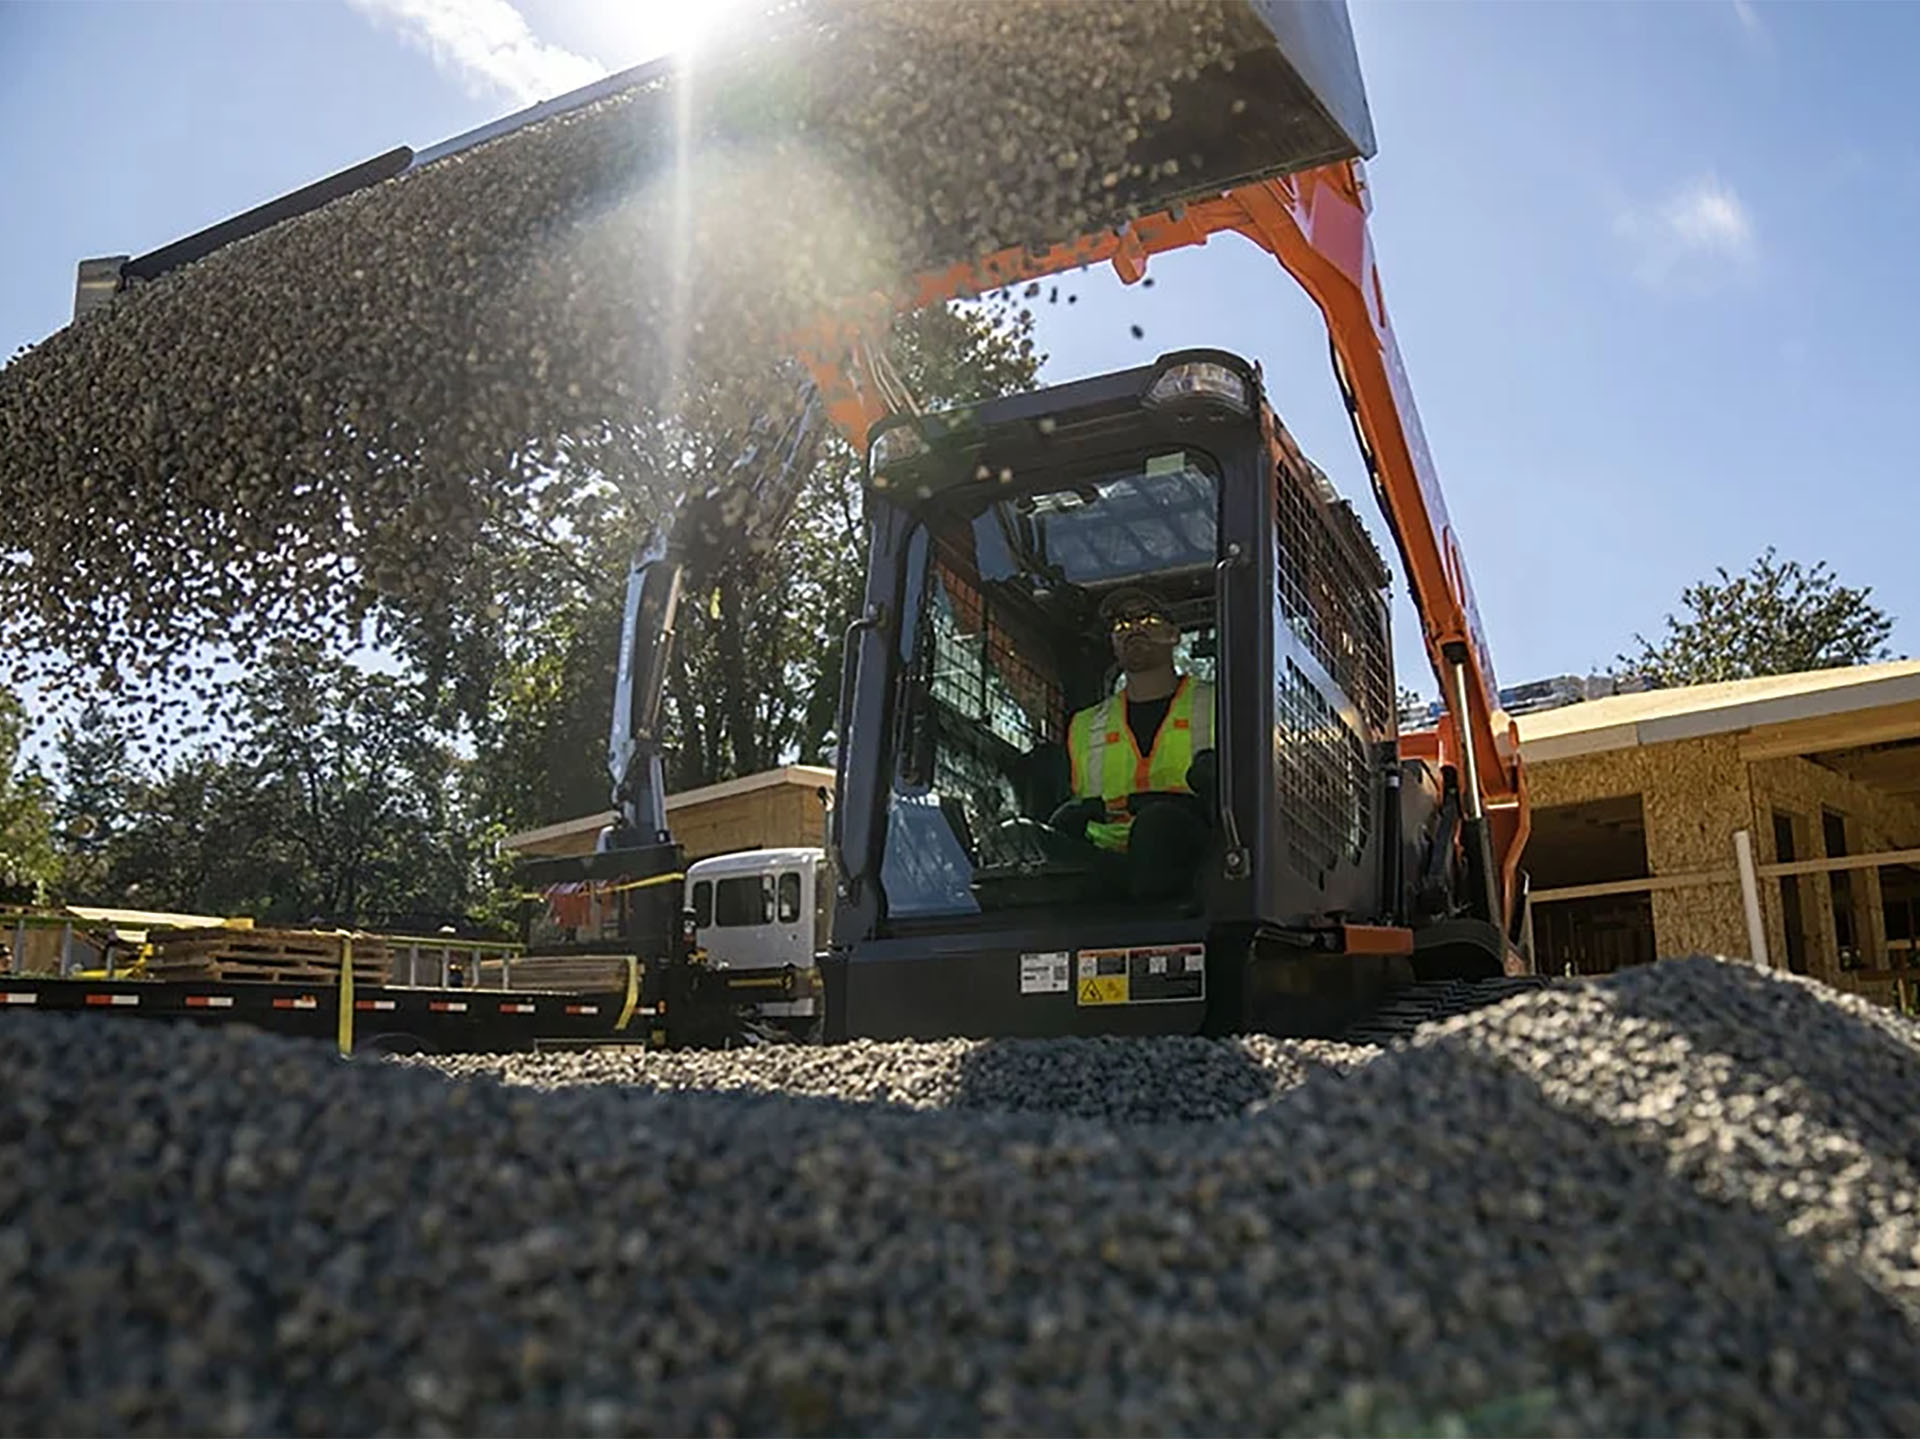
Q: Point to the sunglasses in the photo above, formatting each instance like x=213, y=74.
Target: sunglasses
x=1123, y=624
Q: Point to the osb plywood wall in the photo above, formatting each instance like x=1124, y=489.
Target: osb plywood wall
x=1694, y=796
x=1874, y=822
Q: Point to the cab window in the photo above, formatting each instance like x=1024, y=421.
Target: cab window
x=789, y=896
x=1007, y=644
x=703, y=903
x=743, y=900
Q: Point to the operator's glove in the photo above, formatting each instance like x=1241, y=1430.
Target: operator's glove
x=1073, y=817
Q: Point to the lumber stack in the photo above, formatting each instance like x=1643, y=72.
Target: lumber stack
x=579, y=974
x=220, y=953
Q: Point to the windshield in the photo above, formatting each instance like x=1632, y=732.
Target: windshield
x=1034, y=609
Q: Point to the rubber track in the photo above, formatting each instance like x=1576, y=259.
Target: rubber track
x=1434, y=1000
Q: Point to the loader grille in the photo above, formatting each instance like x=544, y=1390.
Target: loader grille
x=1326, y=596
x=1325, y=796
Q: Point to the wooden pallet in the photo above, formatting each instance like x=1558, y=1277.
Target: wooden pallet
x=270, y=955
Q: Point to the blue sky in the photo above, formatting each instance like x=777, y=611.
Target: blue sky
x=1648, y=263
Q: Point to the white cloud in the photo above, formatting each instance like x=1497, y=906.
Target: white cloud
x=1755, y=32
x=1699, y=236
x=486, y=45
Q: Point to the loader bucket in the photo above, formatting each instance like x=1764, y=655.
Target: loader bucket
x=1000, y=122
x=1012, y=122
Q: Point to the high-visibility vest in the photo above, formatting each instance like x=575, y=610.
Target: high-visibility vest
x=1106, y=761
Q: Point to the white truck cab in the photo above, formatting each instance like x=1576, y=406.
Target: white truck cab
x=764, y=910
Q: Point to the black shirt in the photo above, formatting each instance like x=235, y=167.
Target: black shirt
x=1145, y=717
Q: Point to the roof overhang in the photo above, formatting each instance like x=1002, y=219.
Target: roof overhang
x=1775, y=715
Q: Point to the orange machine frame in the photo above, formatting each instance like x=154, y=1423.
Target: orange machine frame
x=1315, y=224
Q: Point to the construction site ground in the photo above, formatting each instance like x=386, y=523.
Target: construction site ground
x=1677, y=1200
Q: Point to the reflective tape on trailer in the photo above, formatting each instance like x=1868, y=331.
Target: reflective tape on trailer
x=19, y=997
x=209, y=1002
x=113, y=999
x=295, y=1002
x=583, y=1009
x=456, y=1007
x=516, y=1007
x=373, y=1004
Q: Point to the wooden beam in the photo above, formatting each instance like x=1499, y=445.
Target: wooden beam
x=1846, y=731
x=1682, y=881
x=1894, y=771
x=1845, y=862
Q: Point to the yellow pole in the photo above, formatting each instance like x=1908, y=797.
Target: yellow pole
x=633, y=993
x=346, y=993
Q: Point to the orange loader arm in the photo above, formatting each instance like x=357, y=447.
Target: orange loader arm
x=1314, y=222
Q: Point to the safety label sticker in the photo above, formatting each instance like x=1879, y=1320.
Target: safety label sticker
x=1045, y=972
x=1142, y=975
x=1103, y=978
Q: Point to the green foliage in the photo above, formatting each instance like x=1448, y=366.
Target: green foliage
x=197, y=837
x=340, y=800
x=91, y=808
x=1778, y=618
x=359, y=781
x=754, y=676
x=28, y=863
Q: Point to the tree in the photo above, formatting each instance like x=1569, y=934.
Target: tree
x=754, y=676
x=198, y=838
x=339, y=799
x=358, y=780
x=758, y=678
x=1777, y=618
x=92, y=800
x=28, y=864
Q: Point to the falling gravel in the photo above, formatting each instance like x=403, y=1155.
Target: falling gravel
x=1680, y=1201
x=349, y=420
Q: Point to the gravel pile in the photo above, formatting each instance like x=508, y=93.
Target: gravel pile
x=1166, y=1080
x=1680, y=1201
x=345, y=418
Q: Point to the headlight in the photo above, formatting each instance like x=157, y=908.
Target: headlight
x=1201, y=380
x=893, y=447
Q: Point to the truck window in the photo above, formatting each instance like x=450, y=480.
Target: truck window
x=789, y=896
x=743, y=900
x=703, y=903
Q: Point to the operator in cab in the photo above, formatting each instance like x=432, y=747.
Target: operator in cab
x=1142, y=761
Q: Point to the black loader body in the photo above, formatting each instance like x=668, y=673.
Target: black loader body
x=1324, y=874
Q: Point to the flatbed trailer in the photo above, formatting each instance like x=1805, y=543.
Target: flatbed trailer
x=364, y=1018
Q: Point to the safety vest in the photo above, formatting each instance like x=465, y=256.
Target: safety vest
x=1106, y=759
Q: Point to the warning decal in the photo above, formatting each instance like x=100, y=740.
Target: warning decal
x=1045, y=972
x=1168, y=972
x=1103, y=978
x=1144, y=975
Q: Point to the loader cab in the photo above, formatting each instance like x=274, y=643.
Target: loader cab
x=997, y=536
